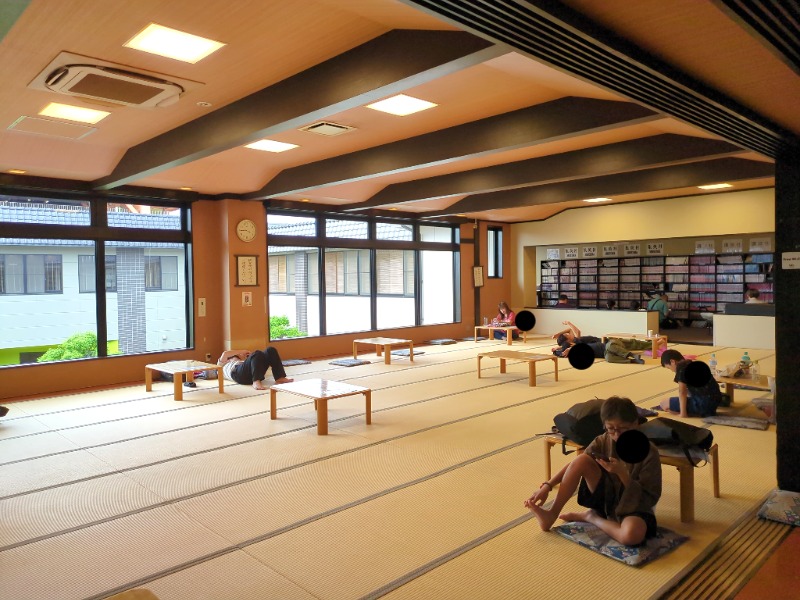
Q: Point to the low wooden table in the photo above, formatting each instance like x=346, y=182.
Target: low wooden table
x=510, y=329
x=730, y=383
x=679, y=461
x=320, y=390
x=531, y=359
x=384, y=344
x=637, y=336
x=179, y=368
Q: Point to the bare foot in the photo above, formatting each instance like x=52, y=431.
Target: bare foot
x=545, y=517
x=259, y=386
x=587, y=516
x=284, y=380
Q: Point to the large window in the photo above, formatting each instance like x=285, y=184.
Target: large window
x=367, y=277
x=495, y=248
x=49, y=305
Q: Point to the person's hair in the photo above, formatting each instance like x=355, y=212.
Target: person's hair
x=563, y=297
x=635, y=305
x=561, y=339
x=670, y=355
x=611, y=303
x=753, y=293
x=503, y=306
x=619, y=408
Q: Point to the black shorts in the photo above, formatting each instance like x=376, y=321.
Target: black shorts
x=601, y=501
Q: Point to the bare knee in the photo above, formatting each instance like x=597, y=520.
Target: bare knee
x=633, y=531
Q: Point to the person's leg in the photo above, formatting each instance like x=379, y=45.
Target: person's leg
x=276, y=364
x=616, y=352
x=582, y=467
x=631, y=532
x=253, y=368
x=671, y=404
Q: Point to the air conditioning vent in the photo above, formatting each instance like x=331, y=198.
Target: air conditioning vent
x=103, y=82
x=113, y=85
x=327, y=128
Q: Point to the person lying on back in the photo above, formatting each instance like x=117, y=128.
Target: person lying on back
x=570, y=336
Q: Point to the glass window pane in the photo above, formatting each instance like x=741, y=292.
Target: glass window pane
x=15, y=209
x=60, y=325
x=437, y=287
x=431, y=233
x=86, y=273
x=394, y=231
x=395, y=288
x=144, y=216
x=345, y=228
x=345, y=310
x=291, y=225
x=295, y=312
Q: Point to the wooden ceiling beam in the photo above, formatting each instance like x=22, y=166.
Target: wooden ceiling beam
x=643, y=181
x=546, y=122
x=381, y=67
x=642, y=153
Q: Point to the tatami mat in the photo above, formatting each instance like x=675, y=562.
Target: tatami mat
x=209, y=498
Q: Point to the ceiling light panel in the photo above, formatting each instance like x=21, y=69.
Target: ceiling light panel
x=598, y=200
x=68, y=112
x=271, y=146
x=715, y=186
x=171, y=43
x=401, y=105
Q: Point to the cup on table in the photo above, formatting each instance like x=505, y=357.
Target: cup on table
x=485, y=320
x=649, y=333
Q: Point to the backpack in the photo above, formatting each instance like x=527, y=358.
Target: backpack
x=664, y=432
x=581, y=423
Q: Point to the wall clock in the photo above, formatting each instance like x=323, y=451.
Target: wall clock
x=246, y=230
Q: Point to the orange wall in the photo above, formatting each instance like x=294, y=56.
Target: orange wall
x=227, y=323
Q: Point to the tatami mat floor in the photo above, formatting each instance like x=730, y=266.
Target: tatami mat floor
x=210, y=499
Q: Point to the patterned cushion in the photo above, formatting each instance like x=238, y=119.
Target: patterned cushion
x=293, y=362
x=782, y=506
x=442, y=342
x=349, y=362
x=591, y=537
x=406, y=352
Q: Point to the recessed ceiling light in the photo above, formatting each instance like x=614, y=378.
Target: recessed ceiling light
x=401, y=105
x=73, y=113
x=305, y=200
x=186, y=189
x=172, y=43
x=271, y=146
x=715, y=186
x=17, y=171
x=598, y=200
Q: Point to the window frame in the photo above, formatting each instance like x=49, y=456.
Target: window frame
x=494, y=253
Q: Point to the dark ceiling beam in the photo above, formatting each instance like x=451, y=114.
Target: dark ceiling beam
x=381, y=67
x=636, y=182
x=558, y=119
x=775, y=23
x=642, y=153
x=559, y=36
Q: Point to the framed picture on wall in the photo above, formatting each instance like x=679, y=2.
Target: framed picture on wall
x=477, y=276
x=246, y=270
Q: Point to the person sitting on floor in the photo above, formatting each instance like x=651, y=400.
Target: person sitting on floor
x=620, y=497
x=250, y=368
x=692, y=400
x=505, y=318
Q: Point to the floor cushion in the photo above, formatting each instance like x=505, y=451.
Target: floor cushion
x=589, y=536
x=406, y=352
x=349, y=362
x=782, y=506
x=293, y=362
x=442, y=342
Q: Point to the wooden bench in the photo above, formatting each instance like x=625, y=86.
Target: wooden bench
x=685, y=469
x=320, y=390
x=178, y=369
x=509, y=329
x=531, y=359
x=384, y=344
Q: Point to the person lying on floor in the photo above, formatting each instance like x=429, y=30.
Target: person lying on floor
x=620, y=350
x=614, y=351
x=567, y=338
x=620, y=497
x=692, y=400
x=250, y=368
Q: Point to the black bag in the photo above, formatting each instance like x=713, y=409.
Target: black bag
x=666, y=432
x=581, y=423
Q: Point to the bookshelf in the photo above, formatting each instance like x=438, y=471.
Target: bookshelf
x=694, y=283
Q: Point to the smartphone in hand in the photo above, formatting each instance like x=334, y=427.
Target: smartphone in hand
x=598, y=456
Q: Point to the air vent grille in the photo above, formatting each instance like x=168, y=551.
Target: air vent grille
x=327, y=128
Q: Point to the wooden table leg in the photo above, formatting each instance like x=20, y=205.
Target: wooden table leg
x=687, y=492
x=355, y=352
x=502, y=365
x=220, y=380
x=729, y=387
x=476, y=335
x=368, y=400
x=548, y=467
x=148, y=379
x=479, y=366
x=273, y=404
x=322, y=416
x=387, y=354
x=411, y=351
x=713, y=456
x=531, y=373
x=509, y=337
x=555, y=366
x=177, y=380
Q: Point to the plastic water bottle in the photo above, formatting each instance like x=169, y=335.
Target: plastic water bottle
x=745, y=363
x=755, y=371
x=712, y=364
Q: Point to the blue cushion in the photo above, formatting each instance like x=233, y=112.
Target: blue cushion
x=591, y=537
x=783, y=507
x=406, y=352
x=443, y=341
x=349, y=362
x=293, y=362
